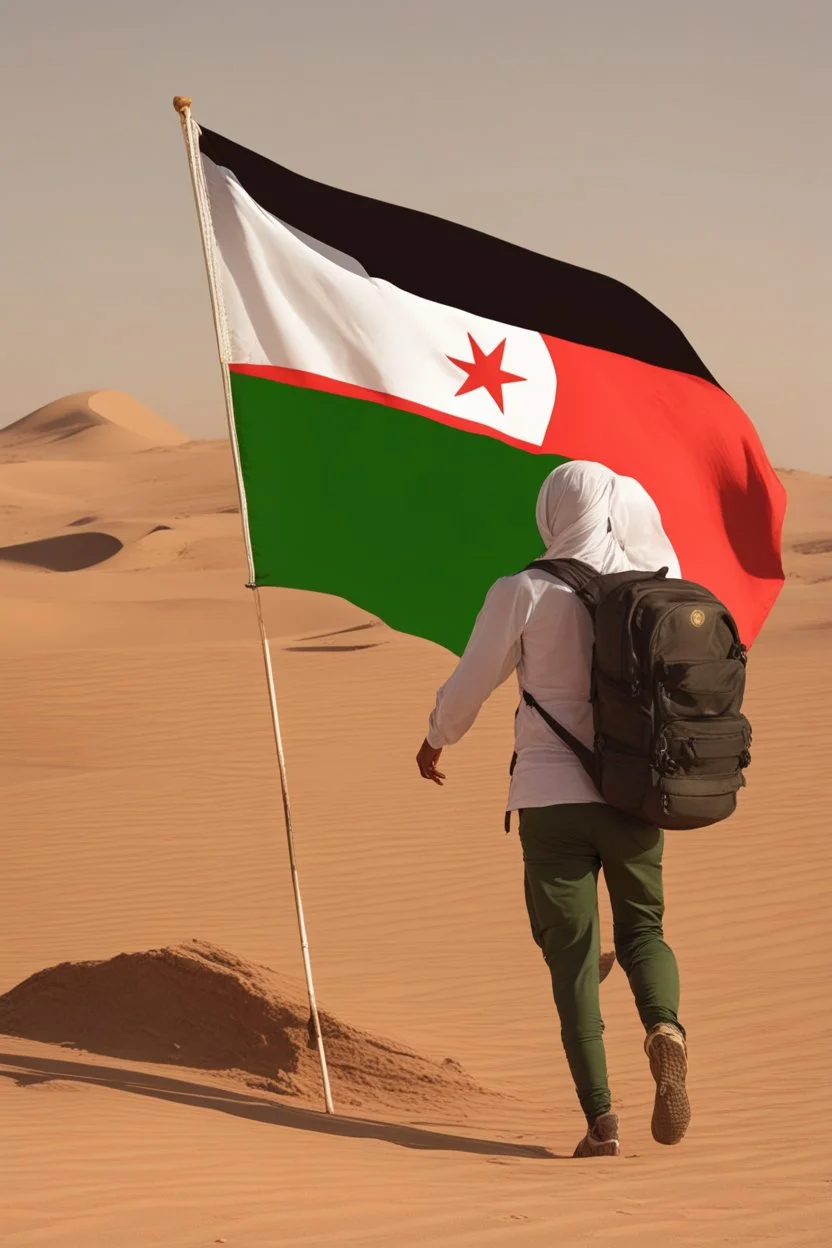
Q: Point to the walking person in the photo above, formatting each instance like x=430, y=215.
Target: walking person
x=534, y=624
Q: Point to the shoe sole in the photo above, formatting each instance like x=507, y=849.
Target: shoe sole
x=605, y=964
x=671, y=1109
x=610, y=1148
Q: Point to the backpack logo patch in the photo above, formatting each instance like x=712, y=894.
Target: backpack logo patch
x=697, y=617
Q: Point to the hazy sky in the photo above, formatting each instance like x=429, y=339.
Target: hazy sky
x=680, y=147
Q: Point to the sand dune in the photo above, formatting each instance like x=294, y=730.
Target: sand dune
x=141, y=810
x=91, y=425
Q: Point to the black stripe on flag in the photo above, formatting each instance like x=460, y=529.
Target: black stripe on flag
x=464, y=268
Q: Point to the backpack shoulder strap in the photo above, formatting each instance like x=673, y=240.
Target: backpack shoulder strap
x=576, y=575
x=585, y=755
x=583, y=579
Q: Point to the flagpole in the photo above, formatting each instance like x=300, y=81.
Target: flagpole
x=190, y=134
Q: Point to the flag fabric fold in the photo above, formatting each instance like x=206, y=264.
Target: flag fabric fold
x=402, y=385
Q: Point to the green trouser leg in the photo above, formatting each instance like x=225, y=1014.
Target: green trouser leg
x=564, y=848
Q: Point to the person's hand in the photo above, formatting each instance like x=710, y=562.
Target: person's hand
x=426, y=761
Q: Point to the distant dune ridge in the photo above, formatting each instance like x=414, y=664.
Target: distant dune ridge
x=90, y=425
x=141, y=806
x=160, y=498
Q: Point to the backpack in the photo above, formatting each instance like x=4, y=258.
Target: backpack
x=666, y=687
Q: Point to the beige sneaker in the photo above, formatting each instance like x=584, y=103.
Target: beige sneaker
x=602, y=1138
x=668, y=1053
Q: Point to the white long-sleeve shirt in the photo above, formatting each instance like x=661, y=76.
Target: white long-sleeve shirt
x=533, y=624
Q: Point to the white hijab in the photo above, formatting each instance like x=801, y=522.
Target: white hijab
x=586, y=511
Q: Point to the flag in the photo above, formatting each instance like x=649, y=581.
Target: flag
x=402, y=385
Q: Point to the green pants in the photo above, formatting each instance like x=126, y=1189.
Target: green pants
x=564, y=847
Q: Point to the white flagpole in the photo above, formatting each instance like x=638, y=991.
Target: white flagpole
x=190, y=132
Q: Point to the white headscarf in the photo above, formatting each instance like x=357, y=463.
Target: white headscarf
x=586, y=511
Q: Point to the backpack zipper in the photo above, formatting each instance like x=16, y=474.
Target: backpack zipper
x=626, y=658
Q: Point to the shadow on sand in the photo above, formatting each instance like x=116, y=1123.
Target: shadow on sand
x=331, y=649
x=68, y=552
x=26, y=1071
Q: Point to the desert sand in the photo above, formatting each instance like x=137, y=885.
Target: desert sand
x=169, y=1097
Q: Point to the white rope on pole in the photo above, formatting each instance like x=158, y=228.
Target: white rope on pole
x=203, y=208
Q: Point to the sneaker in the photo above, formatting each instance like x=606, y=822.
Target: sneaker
x=605, y=964
x=601, y=1140
x=668, y=1053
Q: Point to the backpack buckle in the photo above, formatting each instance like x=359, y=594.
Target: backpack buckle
x=663, y=763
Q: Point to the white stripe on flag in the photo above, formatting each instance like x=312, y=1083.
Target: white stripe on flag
x=294, y=303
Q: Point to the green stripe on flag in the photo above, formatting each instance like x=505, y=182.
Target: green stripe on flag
x=407, y=518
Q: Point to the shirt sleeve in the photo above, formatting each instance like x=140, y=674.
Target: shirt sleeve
x=492, y=654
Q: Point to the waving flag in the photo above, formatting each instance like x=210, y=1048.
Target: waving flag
x=401, y=386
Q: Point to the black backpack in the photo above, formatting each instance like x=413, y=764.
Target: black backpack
x=667, y=683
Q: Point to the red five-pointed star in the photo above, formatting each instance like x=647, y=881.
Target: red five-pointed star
x=485, y=371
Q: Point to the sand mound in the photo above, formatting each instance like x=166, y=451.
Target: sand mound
x=198, y=1006
x=96, y=424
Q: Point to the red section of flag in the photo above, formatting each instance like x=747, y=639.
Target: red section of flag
x=695, y=452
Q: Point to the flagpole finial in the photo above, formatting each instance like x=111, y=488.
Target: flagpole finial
x=181, y=102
